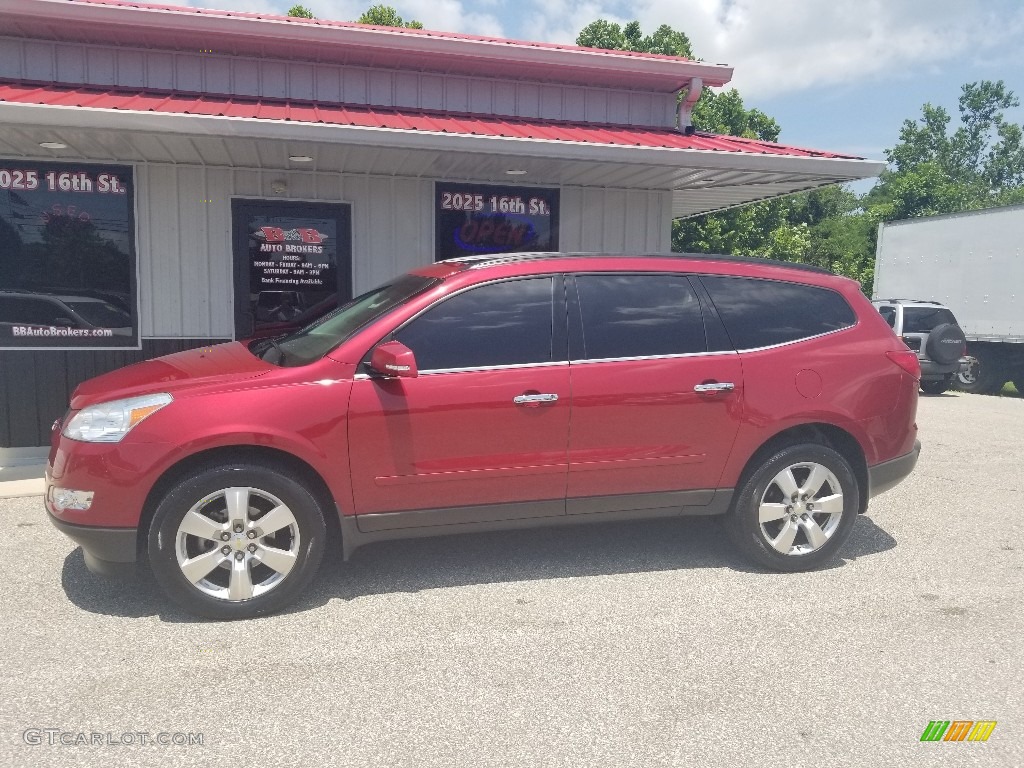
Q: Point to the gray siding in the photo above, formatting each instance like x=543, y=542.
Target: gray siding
x=76, y=63
x=184, y=233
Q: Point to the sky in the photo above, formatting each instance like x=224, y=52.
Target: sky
x=840, y=75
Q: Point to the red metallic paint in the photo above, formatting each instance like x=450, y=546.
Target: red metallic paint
x=456, y=439
x=638, y=426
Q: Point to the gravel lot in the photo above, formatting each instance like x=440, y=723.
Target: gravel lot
x=619, y=645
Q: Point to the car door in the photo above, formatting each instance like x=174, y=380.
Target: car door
x=655, y=406
x=480, y=434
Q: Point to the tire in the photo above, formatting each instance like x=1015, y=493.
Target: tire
x=984, y=374
x=220, y=509
x=937, y=386
x=945, y=343
x=796, y=469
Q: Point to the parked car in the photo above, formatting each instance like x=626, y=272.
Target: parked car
x=492, y=393
x=29, y=308
x=931, y=330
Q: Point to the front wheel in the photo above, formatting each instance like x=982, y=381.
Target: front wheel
x=796, y=509
x=236, y=541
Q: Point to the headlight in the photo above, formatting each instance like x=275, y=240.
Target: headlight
x=109, y=422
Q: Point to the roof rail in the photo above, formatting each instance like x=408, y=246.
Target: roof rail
x=481, y=261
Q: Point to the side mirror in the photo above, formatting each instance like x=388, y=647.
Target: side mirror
x=394, y=359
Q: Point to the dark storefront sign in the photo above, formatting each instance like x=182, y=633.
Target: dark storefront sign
x=67, y=256
x=293, y=263
x=472, y=219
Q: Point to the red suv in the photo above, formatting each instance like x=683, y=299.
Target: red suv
x=488, y=393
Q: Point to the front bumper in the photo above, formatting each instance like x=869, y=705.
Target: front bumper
x=107, y=551
x=889, y=474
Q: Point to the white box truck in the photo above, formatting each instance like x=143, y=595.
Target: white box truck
x=973, y=263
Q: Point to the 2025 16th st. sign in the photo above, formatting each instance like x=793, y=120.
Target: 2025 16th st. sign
x=473, y=219
x=67, y=256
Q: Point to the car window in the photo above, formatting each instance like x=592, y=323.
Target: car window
x=324, y=334
x=889, y=315
x=31, y=310
x=505, y=323
x=101, y=314
x=923, y=319
x=760, y=313
x=639, y=316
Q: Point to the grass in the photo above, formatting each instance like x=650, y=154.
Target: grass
x=1010, y=390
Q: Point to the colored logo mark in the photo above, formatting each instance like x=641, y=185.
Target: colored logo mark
x=958, y=730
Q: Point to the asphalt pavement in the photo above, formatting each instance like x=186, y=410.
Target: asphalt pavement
x=617, y=645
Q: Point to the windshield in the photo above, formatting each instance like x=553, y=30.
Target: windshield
x=924, y=319
x=317, y=339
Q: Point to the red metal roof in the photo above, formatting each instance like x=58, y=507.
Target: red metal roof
x=418, y=120
x=353, y=25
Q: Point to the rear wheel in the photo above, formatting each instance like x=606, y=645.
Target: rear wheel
x=983, y=376
x=796, y=509
x=236, y=541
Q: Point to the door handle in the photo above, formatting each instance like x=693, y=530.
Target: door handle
x=714, y=386
x=534, y=399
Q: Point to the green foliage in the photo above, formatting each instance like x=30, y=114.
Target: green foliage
x=935, y=168
x=300, y=12
x=610, y=36
x=725, y=113
x=386, y=16
x=939, y=169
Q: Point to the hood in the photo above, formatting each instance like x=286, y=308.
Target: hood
x=222, y=364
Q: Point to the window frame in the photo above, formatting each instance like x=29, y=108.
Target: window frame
x=738, y=348
x=709, y=319
x=559, y=333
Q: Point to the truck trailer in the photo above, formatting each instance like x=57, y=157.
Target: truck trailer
x=973, y=263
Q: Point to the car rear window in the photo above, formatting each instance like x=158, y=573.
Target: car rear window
x=761, y=313
x=924, y=319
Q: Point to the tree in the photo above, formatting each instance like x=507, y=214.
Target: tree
x=611, y=37
x=300, y=12
x=762, y=229
x=937, y=169
x=386, y=16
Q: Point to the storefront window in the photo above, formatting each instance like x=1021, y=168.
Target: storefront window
x=293, y=263
x=67, y=256
x=473, y=219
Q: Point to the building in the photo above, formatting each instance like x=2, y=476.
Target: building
x=173, y=177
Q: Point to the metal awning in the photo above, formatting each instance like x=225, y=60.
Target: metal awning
x=706, y=172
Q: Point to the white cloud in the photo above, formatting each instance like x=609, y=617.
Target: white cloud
x=775, y=46
x=781, y=46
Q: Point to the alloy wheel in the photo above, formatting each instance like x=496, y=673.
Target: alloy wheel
x=237, y=543
x=801, y=509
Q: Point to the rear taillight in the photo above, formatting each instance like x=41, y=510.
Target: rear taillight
x=907, y=360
